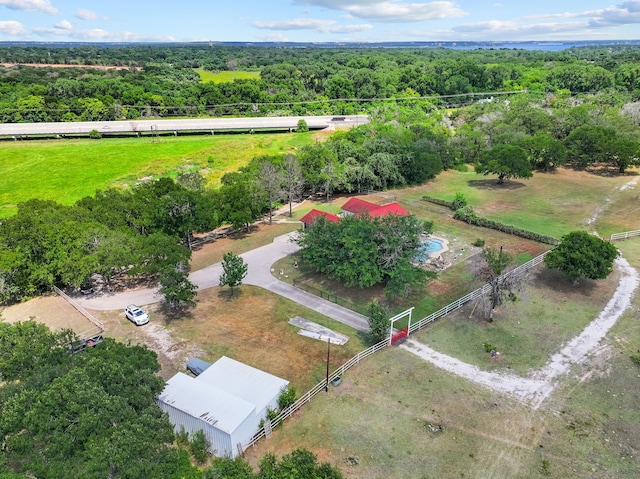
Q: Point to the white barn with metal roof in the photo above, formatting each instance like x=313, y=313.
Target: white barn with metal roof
x=227, y=402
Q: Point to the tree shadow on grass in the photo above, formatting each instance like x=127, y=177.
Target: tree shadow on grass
x=493, y=184
x=555, y=280
x=226, y=294
x=172, y=314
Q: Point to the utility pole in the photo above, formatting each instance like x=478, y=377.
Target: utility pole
x=326, y=387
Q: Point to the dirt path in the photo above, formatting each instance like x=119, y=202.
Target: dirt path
x=540, y=384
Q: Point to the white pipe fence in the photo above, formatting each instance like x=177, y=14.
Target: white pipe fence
x=323, y=385
x=472, y=295
x=624, y=236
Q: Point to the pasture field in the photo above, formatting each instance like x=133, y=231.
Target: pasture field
x=226, y=76
x=590, y=425
x=397, y=416
x=549, y=203
x=68, y=170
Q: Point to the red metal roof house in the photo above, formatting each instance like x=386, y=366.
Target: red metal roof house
x=390, y=209
x=314, y=214
x=356, y=206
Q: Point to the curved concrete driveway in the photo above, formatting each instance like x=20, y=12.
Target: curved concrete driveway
x=259, y=263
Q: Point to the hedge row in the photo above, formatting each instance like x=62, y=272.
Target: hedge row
x=469, y=216
x=437, y=201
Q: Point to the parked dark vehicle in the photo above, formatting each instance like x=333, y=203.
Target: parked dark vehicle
x=196, y=366
x=82, y=344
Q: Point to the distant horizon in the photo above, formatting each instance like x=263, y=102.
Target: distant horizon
x=319, y=21
x=398, y=42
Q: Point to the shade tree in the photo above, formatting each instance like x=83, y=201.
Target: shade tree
x=506, y=161
x=363, y=251
x=582, y=255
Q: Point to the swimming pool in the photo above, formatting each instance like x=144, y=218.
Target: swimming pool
x=429, y=246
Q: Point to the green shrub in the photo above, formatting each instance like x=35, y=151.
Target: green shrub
x=478, y=242
x=488, y=347
x=378, y=323
x=182, y=437
x=636, y=359
x=287, y=396
x=95, y=135
x=302, y=126
x=459, y=202
x=199, y=447
x=438, y=201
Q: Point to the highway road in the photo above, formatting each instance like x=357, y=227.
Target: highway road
x=148, y=127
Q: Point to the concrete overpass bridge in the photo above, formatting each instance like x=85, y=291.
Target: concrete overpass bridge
x=169, y=126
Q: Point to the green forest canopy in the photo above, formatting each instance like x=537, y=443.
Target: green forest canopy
x=165, y=82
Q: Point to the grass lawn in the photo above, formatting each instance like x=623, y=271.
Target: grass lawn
x=68, y=170
x=252, y=327
x=388, y=411
x=549, y=203
x=226, y=76
x=527, y=333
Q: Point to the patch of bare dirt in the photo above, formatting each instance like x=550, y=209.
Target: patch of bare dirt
x=52, y=310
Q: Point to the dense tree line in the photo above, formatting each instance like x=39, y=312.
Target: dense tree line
x=117, y=234
x=147, y=231
x=292, y=80
x=93, y=414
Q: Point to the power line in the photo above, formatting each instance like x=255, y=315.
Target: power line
x=288, y=103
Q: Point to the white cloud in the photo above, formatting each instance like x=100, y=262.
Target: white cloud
x=84, y=14
x=391, y=10
x=322, y=26
x=558, y=24
x=625, y=13
x=98, y=34
x=11, y=28
x=503, y=29
x=30, y=5
x=64, y=25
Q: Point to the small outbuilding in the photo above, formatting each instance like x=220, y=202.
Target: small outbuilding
x=226, y=401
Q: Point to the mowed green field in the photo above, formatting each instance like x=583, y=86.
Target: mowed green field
x=553, y=203
x=226, y=76
x=67, y=170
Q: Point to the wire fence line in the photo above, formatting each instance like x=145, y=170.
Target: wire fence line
x=324, y=385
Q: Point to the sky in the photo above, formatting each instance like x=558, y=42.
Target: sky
x=317, y=20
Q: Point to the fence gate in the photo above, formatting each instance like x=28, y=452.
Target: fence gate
x=399, y=335
x=392, y=335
